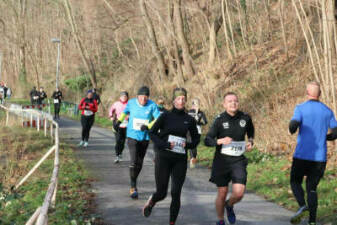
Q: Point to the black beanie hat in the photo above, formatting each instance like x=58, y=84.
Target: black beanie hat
x=144, y=91
x=179, y=92
x=124, y=93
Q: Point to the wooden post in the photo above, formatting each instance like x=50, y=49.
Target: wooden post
x=7, y=117
x=38, y=123
x=31, y=120
x=34, y=217
x=53, y=200
x=45, y=127
x=35, y=167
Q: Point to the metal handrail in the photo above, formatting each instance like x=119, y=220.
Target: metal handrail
x=41, y=213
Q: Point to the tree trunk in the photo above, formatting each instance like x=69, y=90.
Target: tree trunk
x=212, y=45
x=84, y=54
x=22, y=40
x=188, y=63
x=153, y=40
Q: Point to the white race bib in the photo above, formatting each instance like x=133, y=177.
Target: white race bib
x=235, y=148
x=88, y=113
x=56, y=100
x=179, y=144
x=137, y=123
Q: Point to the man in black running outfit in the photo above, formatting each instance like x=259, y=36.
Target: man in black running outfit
x=227, y=134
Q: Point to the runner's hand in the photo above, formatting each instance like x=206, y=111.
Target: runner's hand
x=249, y=145
x=172, y=144
x=116, y=124
x=144, y=127
x=224, y=141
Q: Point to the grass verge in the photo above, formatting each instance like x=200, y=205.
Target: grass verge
x=269, y=177
x=20, y=150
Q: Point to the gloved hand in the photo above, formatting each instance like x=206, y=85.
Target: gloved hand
x=144, y=127
x=116, y=124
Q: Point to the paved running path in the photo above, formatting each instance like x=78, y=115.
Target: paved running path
x=112, y=189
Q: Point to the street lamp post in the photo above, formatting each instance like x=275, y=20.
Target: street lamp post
x=58, y=41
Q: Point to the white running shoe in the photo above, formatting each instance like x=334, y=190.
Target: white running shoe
x=81, y=143
x=117, y=159
x=85, y=144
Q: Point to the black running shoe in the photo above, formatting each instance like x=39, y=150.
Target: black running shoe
x=297, y=217
x=148, y=207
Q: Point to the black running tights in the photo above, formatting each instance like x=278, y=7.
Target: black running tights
x=87, y=122
x=137, y=153
x=314, y=172
x=166, y=167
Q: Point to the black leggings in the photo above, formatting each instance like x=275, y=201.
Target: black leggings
x=120, y=141
x=166, y=167
x=87, y=122
x=137, y=153
x=314, y=172
x=57, y=107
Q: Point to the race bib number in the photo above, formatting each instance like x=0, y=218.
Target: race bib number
x=179, y=144
x=137, y=123
x=88, y=113
x=56, y=101
x=235, y=148
x=35, y=97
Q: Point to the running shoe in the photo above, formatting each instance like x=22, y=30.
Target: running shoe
x=221, y=222
x=133, y=193
x=85, y=144
x=192, y=163
x=147, y=209
x=117, y=159
x=80, y=144
x=297, y=217
x=230, y=214
x=120, y=158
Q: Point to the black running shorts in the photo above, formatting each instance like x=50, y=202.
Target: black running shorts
x=236, y=172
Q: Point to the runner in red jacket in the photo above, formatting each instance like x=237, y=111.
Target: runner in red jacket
x=88, y=105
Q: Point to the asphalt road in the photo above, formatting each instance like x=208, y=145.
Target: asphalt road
x=111, y=186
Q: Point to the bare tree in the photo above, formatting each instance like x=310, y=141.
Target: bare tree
x=153, y=40
x=84, y=54
x=188, y=62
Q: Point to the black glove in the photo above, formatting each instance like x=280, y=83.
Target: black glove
x=116, y=124
x=144, y=127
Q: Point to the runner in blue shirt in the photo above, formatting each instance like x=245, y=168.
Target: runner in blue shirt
x=314, y=119
x=142, y=114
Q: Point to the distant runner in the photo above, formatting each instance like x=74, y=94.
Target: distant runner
x=57, y=98
x=88, y=105
x=120, y=131
x=229, y=164
x=201, y=120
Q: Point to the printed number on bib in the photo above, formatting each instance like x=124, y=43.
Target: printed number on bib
x=235, y=148
x=137, y=123
x=88, y=113
x=56, y=101
x=179, y=144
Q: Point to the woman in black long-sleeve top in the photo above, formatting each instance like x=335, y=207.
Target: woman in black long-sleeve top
x=169, y=137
